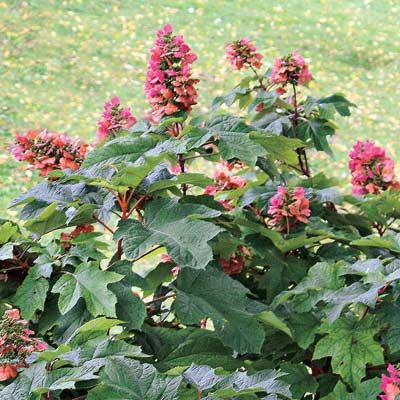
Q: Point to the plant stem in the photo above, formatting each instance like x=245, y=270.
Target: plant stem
x=103, y=224
x=124, y=215
x=161, y=298
x=147, y=253
x=181, y=161
x=301, y=152
x=260, y=79
x=136, y=205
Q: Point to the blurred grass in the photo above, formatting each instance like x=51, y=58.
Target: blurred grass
x=61, y=59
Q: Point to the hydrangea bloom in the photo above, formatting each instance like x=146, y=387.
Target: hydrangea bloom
x=291, y=69
x=289, y=208
x=47, y=151
x=169, y=86
x=243, y=54
x=224, y=180
x=390, y=384
x=372, y=171
x=114, y=118
x=16, y=344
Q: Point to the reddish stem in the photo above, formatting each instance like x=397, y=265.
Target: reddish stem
x=137, y=204
x=124, y=215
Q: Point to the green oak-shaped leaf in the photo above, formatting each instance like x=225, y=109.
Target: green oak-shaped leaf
x=367, y=390
x=278, y=147
x=184, y=178
x=89, y=282
x=213, y=294
x=125, y=379
x=240, y=383
x=118, y=151
x=180, y=348
x=299, y=379
x=234, y=139
x=101, y=347
x=31, y=295
x=129, y=307
x=175, y=225
x=351, y=345
x=213, y=386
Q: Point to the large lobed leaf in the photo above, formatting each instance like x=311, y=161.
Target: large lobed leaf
x=175, y=225
x=212, y=294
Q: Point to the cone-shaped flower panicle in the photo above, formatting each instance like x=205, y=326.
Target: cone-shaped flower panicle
x=290, y=70
x=169, y=86
x=114, y=119
x=47, y=151
x=16, y=344
x=289, y=208
x=372, y=171
x=243, y=54
x=390, y=384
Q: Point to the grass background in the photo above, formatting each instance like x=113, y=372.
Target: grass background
x=61, y=59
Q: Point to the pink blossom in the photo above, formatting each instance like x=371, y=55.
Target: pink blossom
x=372, y=171
x=243, y=54
x=114, y=119
x=233, y=265
x=13, y=313
x=390, y=384
x=7, y=371
x=40, y=345
x=211, y=190
x=289, y=208
x=166, y=258
x=225, y=180
x=169, y=86
x=290, y=69
x=48, y=151
x=175, y=271
x=16, y=343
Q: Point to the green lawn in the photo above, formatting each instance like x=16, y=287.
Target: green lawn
x=60, y=59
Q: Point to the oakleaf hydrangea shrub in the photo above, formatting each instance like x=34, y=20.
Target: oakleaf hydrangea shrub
x=183, y=255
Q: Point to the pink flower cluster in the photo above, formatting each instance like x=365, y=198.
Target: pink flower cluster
x=291, y=69
x=114, y=118
x=372, y=171
x=289, y=208
x=390, y=384
x=243, y=54
x=169, y=86
x=225, y=181
x=234, y=265
x=16, y=344
x=48, y=151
